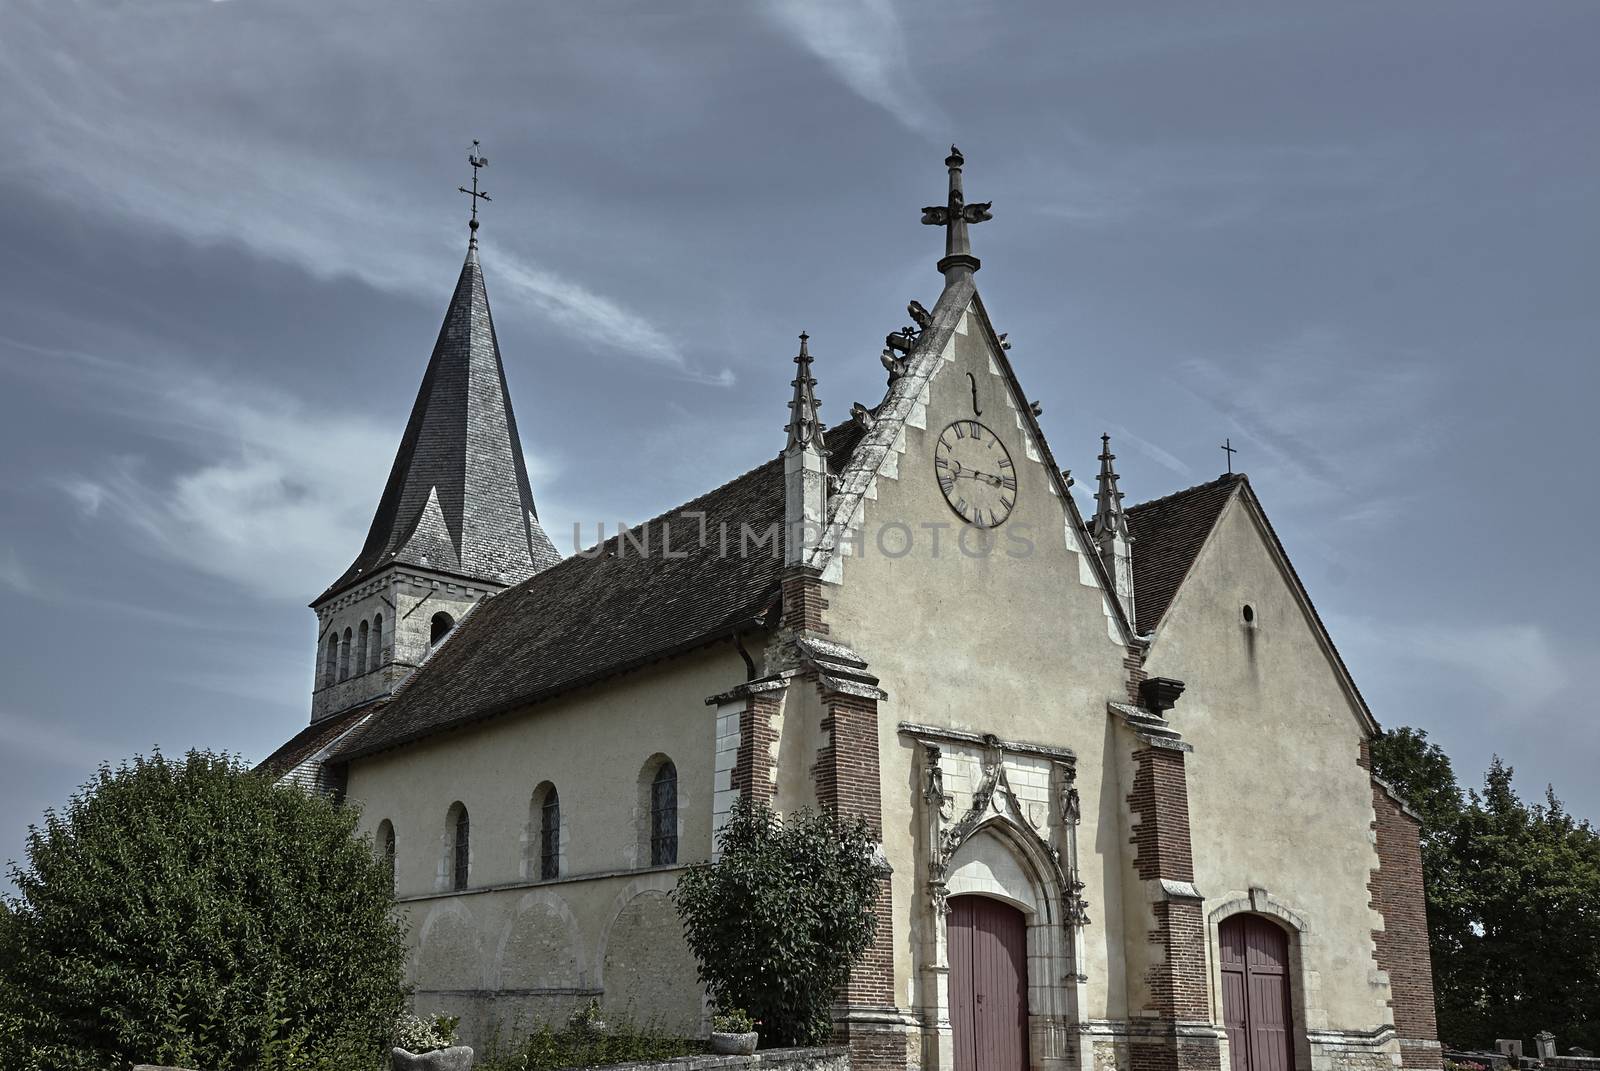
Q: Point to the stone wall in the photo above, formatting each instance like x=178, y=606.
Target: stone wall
x=830, y=1058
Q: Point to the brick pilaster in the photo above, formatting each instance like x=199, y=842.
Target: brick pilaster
x=1133, y=666
x=755, y=762
x=1400, y=949
x=803, y=603
x=1177, y=982
x=848, y=783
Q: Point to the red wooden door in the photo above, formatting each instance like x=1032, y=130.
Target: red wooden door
x=1255, y=993
x=988, y=944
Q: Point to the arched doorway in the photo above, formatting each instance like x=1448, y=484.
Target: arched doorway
x=1255, y=993
x=988, y=944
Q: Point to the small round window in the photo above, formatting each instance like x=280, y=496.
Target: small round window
x=1249, y=614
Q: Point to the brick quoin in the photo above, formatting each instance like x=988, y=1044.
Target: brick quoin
x=848, y=783
x=1133, y=663
x=1401, y=947
x=753, y=762
x=1179, y=988
x=803, y=603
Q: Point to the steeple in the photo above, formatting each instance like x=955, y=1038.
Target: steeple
x=458, y=499
x=805, y=465
x=456, y=521
x=954, y=216
x=1110, y=529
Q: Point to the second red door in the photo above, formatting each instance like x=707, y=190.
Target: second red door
x=988, y=943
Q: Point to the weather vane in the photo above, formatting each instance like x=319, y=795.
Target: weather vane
x=477, y=162
x=1230, y=449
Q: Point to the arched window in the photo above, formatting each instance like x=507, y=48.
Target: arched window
x=458, y=831
x=385, y=844
x=550, y=834
x=442, y=624
x=377, y=641
x=330, y=661
x=361, y=649
x=344, y=655
x=664, y=815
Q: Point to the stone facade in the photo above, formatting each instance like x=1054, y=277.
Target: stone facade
x=992, y=715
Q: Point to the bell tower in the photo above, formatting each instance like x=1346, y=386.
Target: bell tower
x=456, y=522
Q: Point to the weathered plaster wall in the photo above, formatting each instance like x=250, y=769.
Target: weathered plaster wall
x=1016, y=644
x=1277, y=801
x=512, y=944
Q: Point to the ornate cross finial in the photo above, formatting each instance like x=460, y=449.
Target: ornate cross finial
x=954, y=217
x=1230, y=449
x=805, y=426
x=477, y=162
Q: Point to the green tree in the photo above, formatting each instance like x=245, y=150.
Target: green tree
x=782, y=916
x=1513, y=897
x=189, y=912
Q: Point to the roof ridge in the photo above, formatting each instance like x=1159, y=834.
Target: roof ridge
x=838, y=429
x=1237, y=477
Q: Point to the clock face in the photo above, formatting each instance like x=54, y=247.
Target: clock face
x=975, y=473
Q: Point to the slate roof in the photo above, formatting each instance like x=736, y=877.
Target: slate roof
x=310, y=740
x=612, y=608
x=1168, y=534
x=458, y=499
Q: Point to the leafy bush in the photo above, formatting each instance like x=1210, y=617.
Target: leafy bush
x=737, y=1021
x=188, y=912
x=580, y=1044
x=781, y=918
x=416, y=1034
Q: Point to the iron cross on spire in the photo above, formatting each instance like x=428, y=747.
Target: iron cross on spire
x=477, y=162
x=954, y=217
x=1230, y=449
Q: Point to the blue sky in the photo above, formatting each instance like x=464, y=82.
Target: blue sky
x=1357, y=239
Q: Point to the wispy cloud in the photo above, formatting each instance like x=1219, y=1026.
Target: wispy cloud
x=267, y=491
x=1202, y=186
x=191, y=172
x=1318, y=415
x=1120, y=434
x=50, y=743
x=1515, y=667
x=862, y=41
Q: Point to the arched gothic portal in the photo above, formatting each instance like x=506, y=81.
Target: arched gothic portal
x=1016, y=849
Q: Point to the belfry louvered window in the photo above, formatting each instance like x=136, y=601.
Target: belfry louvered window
x=664, y=816
x=550, y=836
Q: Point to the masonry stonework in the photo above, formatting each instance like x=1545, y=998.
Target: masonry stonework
x=1401, y=947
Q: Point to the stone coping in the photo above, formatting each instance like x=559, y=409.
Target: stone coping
x=825, y=1056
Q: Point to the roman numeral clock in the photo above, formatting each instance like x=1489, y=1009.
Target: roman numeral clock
x=975, y=473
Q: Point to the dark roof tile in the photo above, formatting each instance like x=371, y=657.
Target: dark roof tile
x=607, y=610
x=1168, y=534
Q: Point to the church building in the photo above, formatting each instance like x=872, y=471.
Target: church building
x=1119, y=770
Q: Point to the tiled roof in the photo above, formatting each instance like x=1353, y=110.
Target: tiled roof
x=310, y=740
x=458, y=499
x=602, y=612
x=1168, y=534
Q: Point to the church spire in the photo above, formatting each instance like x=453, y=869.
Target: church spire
x=456, y=521
x=1110, y=529
x=954, y=216
x=805, y=466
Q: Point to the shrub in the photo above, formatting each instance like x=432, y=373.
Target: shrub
x=737, y=1021
x=780, y=919
x=188, y=912
x=416, y=1034
x=581, y=1044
